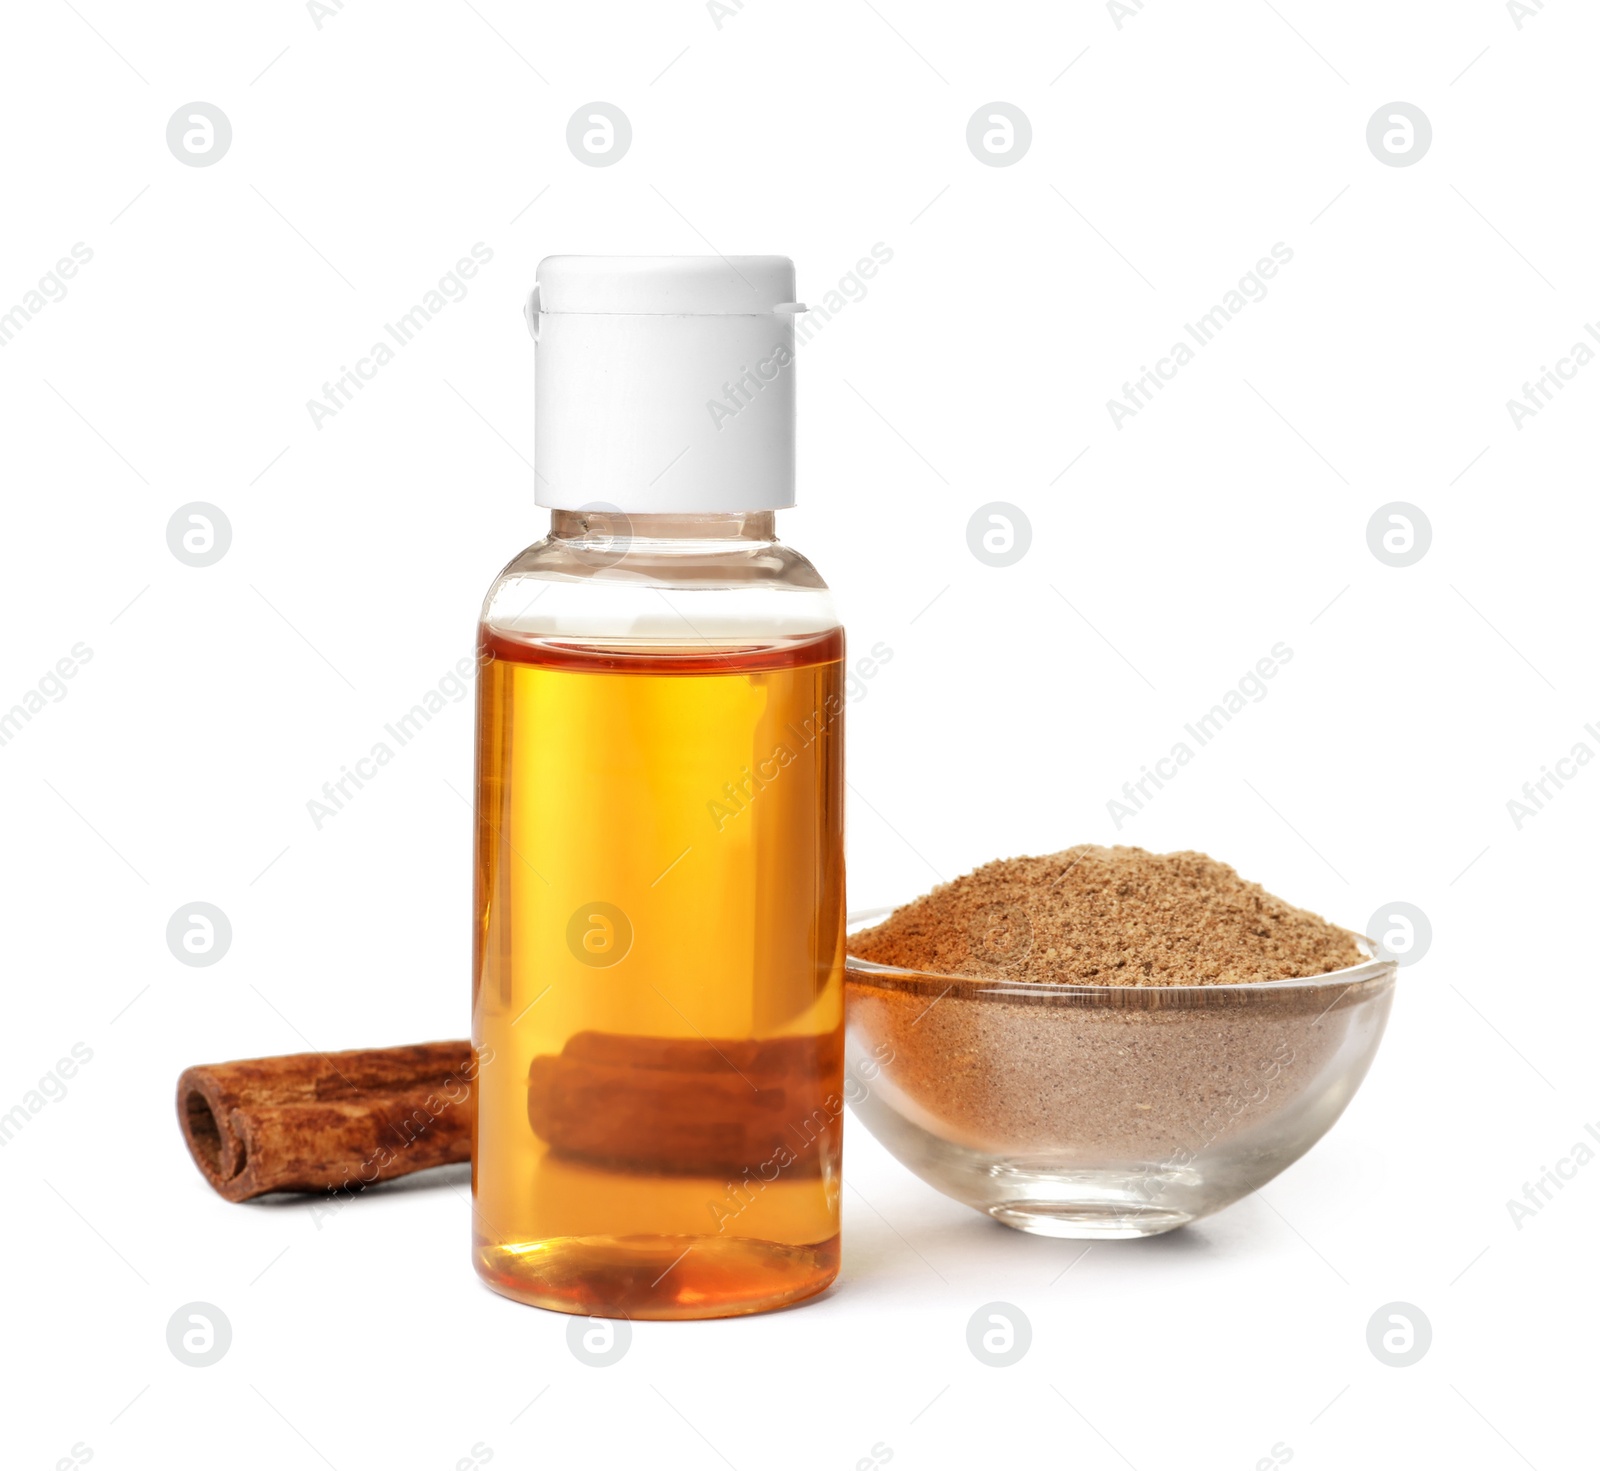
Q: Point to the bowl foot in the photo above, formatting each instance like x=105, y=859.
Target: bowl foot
x=1089, y=1220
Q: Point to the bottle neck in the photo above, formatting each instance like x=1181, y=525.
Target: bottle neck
x=702, y=526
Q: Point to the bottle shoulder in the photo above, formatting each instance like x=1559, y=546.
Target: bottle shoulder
x=712, y=562
x=709, y=591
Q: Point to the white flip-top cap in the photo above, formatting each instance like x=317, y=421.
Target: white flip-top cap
x=664, y=383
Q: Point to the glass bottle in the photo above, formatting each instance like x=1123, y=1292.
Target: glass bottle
x=658, y=946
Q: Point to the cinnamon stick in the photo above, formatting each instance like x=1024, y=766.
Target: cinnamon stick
x=311, y=1121
x=687, y=1106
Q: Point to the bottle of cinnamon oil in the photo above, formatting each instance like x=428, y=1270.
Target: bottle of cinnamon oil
x=659, y=923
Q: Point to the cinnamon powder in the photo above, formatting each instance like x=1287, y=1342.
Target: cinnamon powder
x=1161, y=1086
x=1108, y=917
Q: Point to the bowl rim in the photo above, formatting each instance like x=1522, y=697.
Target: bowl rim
x=1376, y=968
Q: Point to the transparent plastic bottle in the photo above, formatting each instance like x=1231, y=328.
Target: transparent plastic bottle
x=659, y=938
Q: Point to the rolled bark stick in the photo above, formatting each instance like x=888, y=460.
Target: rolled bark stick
x=686, y=1106
x=311, y=1121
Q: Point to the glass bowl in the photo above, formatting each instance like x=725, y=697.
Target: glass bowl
x=1104, y=1111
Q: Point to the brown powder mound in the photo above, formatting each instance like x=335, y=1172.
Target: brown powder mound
x=1108, y=917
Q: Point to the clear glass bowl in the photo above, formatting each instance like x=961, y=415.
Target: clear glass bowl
x=1104, y=1111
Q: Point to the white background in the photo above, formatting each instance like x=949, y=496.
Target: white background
x=1168, y=156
